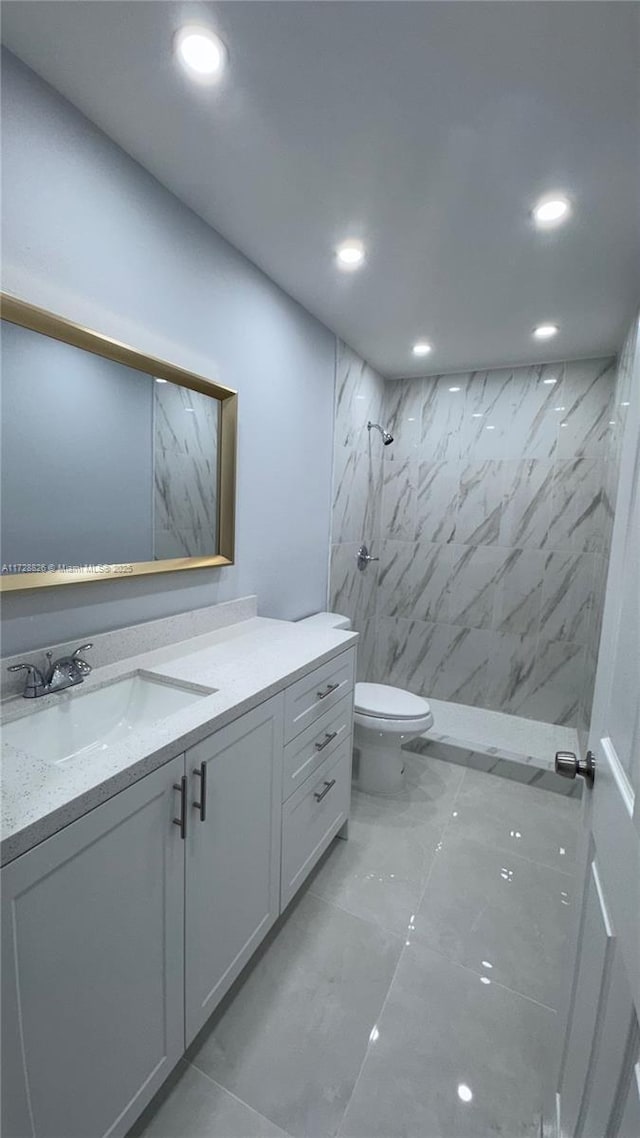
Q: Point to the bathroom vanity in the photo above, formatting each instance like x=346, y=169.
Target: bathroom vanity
x=141, y=873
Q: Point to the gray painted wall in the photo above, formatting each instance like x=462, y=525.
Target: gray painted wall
x=77, y=442
x=89, y=234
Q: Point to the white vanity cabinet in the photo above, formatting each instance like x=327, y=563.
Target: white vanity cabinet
x=92, y=967
x=233, y=854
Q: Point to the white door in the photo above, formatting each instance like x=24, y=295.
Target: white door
x=92, y=967
x=233, y=853
x=597, y=1078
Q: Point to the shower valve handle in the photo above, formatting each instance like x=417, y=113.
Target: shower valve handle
x=363, y=557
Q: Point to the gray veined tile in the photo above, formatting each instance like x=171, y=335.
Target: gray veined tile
x=402, y=415
x=291, y=1040
x=518, y=591
x=557, y=682
x=505, y=917
x=196, y=1107
x=587, y=397
x=379, y=873
x=510, y=674
x=359, y=398
x=352, y=592
x=440, y=660
x=437, y=501
x=526, y=508
x=517, y=819
x=479, y=503
x=185, y=421
x=399, y=499
x=356, y=491
x=442, y=417
x=567, y=596
x=578, y=521
x=412, y=580
x=475, y=571
x=451, y=1057
x=366, y=651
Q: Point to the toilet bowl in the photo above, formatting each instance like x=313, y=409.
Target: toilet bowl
x=385, y=718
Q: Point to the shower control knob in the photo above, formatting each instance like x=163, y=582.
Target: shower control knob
x=569, y=765
x=363, y=557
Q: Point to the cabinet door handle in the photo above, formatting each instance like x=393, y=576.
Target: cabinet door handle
x=182, y=820
x=327, y=691
x=201, y=773
x=319, y=795
x=330, y=735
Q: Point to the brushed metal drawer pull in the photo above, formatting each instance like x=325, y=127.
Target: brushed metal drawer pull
x=182, y=820
x=201, y=773
x=327, y=787
x=327, y=691
x=329, y=737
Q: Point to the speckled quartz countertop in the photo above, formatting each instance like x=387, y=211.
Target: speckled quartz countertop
x=246, y=662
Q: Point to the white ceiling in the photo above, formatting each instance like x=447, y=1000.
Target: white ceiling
x=426, y=129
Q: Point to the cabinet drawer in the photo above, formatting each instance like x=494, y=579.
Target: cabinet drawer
x=308, y=699
x=312, y=817
x=304, y=754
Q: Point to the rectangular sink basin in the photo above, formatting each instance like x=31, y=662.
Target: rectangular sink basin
x=88, y=723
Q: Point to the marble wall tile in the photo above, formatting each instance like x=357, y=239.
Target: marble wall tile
x=402, y=415
x=186, y=422
x=437, y=501
x=185, y=472
x=366, y=652
x=352, y=592
x=472, y=584
x=357, y=482
x=480, y=495
x=511, y=413
x=587, y=396
x=170, y=543
x=557, y=682
x=413, y=580
x=441, y=660
x=518, y=591
x=185, y=495
x=359, y=397
x=526, y=507
x=578, y=520
x=510, y=673
x=399, y=495
x=567, y=596
x=442, y=417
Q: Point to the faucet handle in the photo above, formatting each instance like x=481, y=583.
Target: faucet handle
x=34, y=683
x=81, y=664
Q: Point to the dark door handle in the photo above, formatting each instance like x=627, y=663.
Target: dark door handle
x=319, y=795
x=329, y=737
x=327, y=691
x=182, y=820
x=201, y=773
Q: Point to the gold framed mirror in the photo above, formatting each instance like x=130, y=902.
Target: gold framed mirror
x=113, y=463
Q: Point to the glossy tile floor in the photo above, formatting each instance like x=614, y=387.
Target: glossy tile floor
x=410, y=990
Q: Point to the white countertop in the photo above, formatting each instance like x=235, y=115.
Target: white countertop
x=246, y=662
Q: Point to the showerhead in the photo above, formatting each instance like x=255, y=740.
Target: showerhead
x=386, y=437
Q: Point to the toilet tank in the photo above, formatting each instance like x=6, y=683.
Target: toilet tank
x=327, y=620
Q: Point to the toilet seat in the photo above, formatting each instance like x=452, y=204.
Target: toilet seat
x=381, y=701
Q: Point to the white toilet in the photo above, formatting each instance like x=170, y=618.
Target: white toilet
x=385, y=718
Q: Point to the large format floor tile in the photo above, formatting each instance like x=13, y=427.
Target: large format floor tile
x=450, y=1057
x=196, y=1107
x=520, y=819
x=291, y=1042
x=501, y=915
x=430, y=788
x=379, y=874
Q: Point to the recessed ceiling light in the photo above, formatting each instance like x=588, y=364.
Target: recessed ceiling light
x=201, y=53
x=552, y=209
x=350, y=255
x=161, y=380
x=421, y=348
x=454, y=389
x=545, y=331
x=465, y=1093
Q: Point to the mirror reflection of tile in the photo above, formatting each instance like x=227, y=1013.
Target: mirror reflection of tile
x=185, y=472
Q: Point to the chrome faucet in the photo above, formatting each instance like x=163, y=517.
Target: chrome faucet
x=60, y=674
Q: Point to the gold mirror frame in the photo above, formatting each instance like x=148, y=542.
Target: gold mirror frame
x=58, y=328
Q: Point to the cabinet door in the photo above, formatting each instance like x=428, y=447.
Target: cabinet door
x=233, y=855
x=92, y=967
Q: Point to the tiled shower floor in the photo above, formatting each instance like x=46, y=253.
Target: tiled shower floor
x=410, y=991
